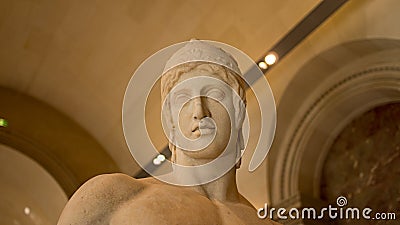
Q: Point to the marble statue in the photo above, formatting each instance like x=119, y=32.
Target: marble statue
x=201, y=112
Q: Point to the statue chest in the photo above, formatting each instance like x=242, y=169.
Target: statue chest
x=172, y=206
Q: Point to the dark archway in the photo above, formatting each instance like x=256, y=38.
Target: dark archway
x=326, y=94
x=69, y=153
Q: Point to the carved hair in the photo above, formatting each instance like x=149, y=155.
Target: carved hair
x=171, y=77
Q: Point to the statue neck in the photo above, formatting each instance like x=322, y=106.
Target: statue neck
x=222, y=189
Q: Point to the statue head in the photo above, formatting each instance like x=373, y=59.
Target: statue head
x=204, y=97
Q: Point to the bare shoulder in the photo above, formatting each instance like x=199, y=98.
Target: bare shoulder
x=95, y=200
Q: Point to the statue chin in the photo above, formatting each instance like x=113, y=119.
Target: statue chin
x=213, y=149
x=204, y=154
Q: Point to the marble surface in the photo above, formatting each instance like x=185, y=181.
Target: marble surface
x=364, y=164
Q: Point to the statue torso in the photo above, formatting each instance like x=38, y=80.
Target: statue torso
x=160, y=203
x=118, y=199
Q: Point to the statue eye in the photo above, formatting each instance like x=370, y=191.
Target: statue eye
x=216, y=94
x=181, y=98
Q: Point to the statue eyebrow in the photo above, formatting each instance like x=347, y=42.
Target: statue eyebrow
x=181, y=91
x=212, y=86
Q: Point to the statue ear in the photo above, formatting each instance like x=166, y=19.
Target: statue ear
x=172, y=148
x=240, y=139
x=168, y=121
x=240, y=110
x=166, y=114
x=239, y=148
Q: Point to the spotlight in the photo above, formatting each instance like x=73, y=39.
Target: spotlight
x=271, y=58
x=161, y=157
x=263, y=65
x=27, y=211
x=156, y=161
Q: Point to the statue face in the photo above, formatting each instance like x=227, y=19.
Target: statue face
x=202, y=108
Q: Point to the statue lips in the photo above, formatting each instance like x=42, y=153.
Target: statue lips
x=204, y=127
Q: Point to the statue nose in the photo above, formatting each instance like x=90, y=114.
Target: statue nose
x=200, y=109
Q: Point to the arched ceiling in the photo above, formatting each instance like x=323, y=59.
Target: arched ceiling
x=78, y=56
x=18, y=203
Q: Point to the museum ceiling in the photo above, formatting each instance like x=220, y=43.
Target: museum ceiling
x=78, y=56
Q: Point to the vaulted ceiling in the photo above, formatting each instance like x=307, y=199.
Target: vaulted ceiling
x=78, y=56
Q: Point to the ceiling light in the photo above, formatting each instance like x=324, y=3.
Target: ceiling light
x=263, y=65
x=271, y=58
x=27, y=210
x=161, y=157
x=156, y=161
